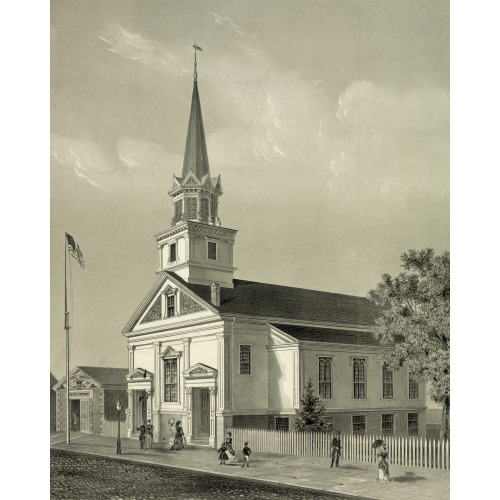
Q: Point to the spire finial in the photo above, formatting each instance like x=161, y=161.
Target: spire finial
x=195, y=47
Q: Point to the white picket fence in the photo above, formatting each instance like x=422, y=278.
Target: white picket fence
x=403, y=450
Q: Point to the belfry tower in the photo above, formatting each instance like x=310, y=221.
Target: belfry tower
x=196, y=246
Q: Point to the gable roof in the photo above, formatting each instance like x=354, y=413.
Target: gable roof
x=276, y=301
x=106, y=376
x=330, y=335
x=102, y=376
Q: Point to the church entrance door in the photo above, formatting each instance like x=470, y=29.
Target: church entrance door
x=205, y=411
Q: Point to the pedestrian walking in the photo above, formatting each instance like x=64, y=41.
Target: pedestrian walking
x=173, y=431
x=336, y=450
x=142, y=435
x=383, y=465
x=179, y=439
x=222, y=454
x=246, y=455
x=230, y=450
x=149, y=435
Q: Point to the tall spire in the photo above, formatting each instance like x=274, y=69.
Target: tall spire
x=195, y=154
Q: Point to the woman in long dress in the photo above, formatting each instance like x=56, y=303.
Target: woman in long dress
x=231, y=458
x=171, y=441
x=179, y=438
x=383, y=465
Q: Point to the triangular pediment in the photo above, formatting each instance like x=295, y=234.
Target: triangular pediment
x=139, y=374
x=174, y=184
x=191, y=180
x=78, y=379
x=152, y=312
x=170, y=352
x=278, y=337
x=217, y=183
x=200, y=371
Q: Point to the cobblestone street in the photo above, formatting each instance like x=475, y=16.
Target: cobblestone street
x=84, y=477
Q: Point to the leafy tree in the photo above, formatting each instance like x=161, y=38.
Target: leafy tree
x=311, y=414
x=415, y=320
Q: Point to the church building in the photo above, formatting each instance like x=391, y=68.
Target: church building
x=213, y=351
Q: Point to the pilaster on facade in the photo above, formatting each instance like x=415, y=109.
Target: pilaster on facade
x=130, y=413
x=131, y=349
x=157, y=381
x=189, y=414
x=223, y=363
x=213, y=406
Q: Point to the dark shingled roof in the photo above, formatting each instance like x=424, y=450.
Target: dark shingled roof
x=263, y=299
x=106, y=376
x=306, y=333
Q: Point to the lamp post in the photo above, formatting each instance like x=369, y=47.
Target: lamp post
x=118, y=440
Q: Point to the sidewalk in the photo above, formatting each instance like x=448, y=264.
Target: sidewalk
x=352, y=478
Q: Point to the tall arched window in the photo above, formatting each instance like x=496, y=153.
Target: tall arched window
x=325, y=378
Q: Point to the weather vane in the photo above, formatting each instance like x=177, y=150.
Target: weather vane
x=196, y=47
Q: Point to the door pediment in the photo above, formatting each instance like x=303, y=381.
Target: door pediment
x=140, y=375
x=200, y=371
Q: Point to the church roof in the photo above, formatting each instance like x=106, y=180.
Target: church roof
x=276, y=301
x=195, y=154
x=330, y=335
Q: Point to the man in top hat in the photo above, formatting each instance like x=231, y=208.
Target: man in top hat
x=336, y=447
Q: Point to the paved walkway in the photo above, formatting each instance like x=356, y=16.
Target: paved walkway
x=352, y=478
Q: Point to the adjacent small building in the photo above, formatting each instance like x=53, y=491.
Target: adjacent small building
x=93, y=393
x=213, y=351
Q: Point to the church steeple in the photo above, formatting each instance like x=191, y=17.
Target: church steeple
x=193, y=248
x=195, y=154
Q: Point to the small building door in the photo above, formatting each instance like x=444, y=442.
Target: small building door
x=85, y=415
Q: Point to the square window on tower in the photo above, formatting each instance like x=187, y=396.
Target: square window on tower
x=212, y=250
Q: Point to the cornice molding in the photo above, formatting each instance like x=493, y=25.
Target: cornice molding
x=294, y=322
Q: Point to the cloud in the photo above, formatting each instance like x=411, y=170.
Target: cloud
x=228, y=23
x=393, y=142
x=146, y=158
x=87, y=159
x=138, y=48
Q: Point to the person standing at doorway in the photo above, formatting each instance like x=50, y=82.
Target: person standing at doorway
x=149, y=435
x=336, y=447
x=142, y=435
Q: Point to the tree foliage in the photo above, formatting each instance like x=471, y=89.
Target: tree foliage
x=311, y=414
x=415, y=320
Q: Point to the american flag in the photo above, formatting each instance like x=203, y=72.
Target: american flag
x=74, y=250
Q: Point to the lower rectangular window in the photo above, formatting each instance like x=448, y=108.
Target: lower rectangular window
x=412, y=424
x=388, y=424
x=282, y=423
x=358, y=424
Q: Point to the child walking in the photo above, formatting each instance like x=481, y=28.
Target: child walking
x=246, y=455
x=222, y=454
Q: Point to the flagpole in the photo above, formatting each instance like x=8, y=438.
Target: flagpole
x=66, y=327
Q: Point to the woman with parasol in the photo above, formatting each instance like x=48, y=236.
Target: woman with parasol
x=383, y=463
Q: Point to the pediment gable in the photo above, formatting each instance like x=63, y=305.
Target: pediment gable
x=200, y=371
x=139, y=375
x=278, y=337
x=190, y=179
x=174, y=184
x=217, y=183
x=152, y=310
x=78, y=379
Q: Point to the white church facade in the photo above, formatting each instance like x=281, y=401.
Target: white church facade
x=213, y=351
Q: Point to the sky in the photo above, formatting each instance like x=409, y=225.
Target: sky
x=328, y=122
